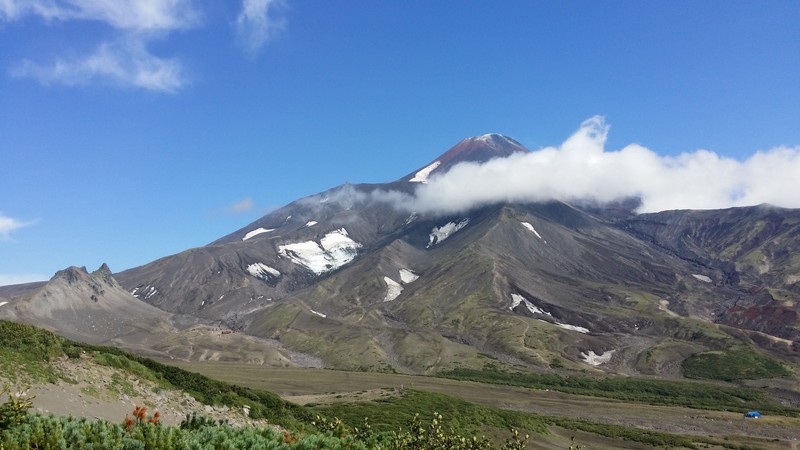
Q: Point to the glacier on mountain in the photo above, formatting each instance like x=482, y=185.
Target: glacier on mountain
x=334, y=250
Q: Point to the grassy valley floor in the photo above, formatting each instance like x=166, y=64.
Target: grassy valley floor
x=325, y=387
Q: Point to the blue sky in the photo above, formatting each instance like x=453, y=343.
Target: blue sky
x=132, y=130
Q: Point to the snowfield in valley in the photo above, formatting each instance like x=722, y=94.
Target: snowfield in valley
x=516, y=299
x=567, y=326
x=593, y=359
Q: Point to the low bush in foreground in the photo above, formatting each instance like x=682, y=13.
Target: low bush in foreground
x=47, y=432
x=143, y=432
x=19, y=430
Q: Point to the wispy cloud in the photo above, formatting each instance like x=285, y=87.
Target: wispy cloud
x=241, y=206
x=581, y=169
x=124, y=60
x=9, y=224
x=258, y=23
x=139, y=15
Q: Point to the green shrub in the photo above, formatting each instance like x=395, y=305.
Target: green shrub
x=194, y=422
x=658, y=392
x=14, y=411
x=732, y=365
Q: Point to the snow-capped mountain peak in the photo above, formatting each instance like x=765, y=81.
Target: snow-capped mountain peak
x=475, y=149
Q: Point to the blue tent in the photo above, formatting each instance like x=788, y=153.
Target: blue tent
x=753, y=414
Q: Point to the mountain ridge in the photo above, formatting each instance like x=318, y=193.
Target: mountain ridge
x=347, y=279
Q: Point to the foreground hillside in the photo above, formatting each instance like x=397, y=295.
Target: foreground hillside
x=106, y=375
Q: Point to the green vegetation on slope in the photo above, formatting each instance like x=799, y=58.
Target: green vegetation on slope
x=396, y=419
x=397, y=412
x=67, y=432
x=732, y=365
x=18, y=431
x=471, y=419
x=24, y=349
x=33, y=346
x=656, y=392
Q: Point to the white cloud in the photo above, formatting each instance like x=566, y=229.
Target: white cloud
x=582, y=169
x=9, y=224
x=257, y=24
x=149, y=15
x=19, y=278
x=242, y=206
x=124, y=60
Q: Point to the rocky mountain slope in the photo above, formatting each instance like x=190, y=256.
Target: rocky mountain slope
x=94, y=308
x=352, y=280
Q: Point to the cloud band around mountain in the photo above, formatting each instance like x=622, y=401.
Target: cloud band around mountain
x=582, y=169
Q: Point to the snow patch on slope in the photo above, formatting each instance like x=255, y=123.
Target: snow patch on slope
x=317, y=313
x=438, y=234
x=262, y=271
x=422, y=175
x=516, y=299
x=334, y=250
x=153, y=291
x=148, y=291
x=256, y=232
x=311, y=223
x=594, y=359
x=567, y=326
x=3, y=303
x=530, y=227
x=394, y=289
x=407, y=276
x=702, y=278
